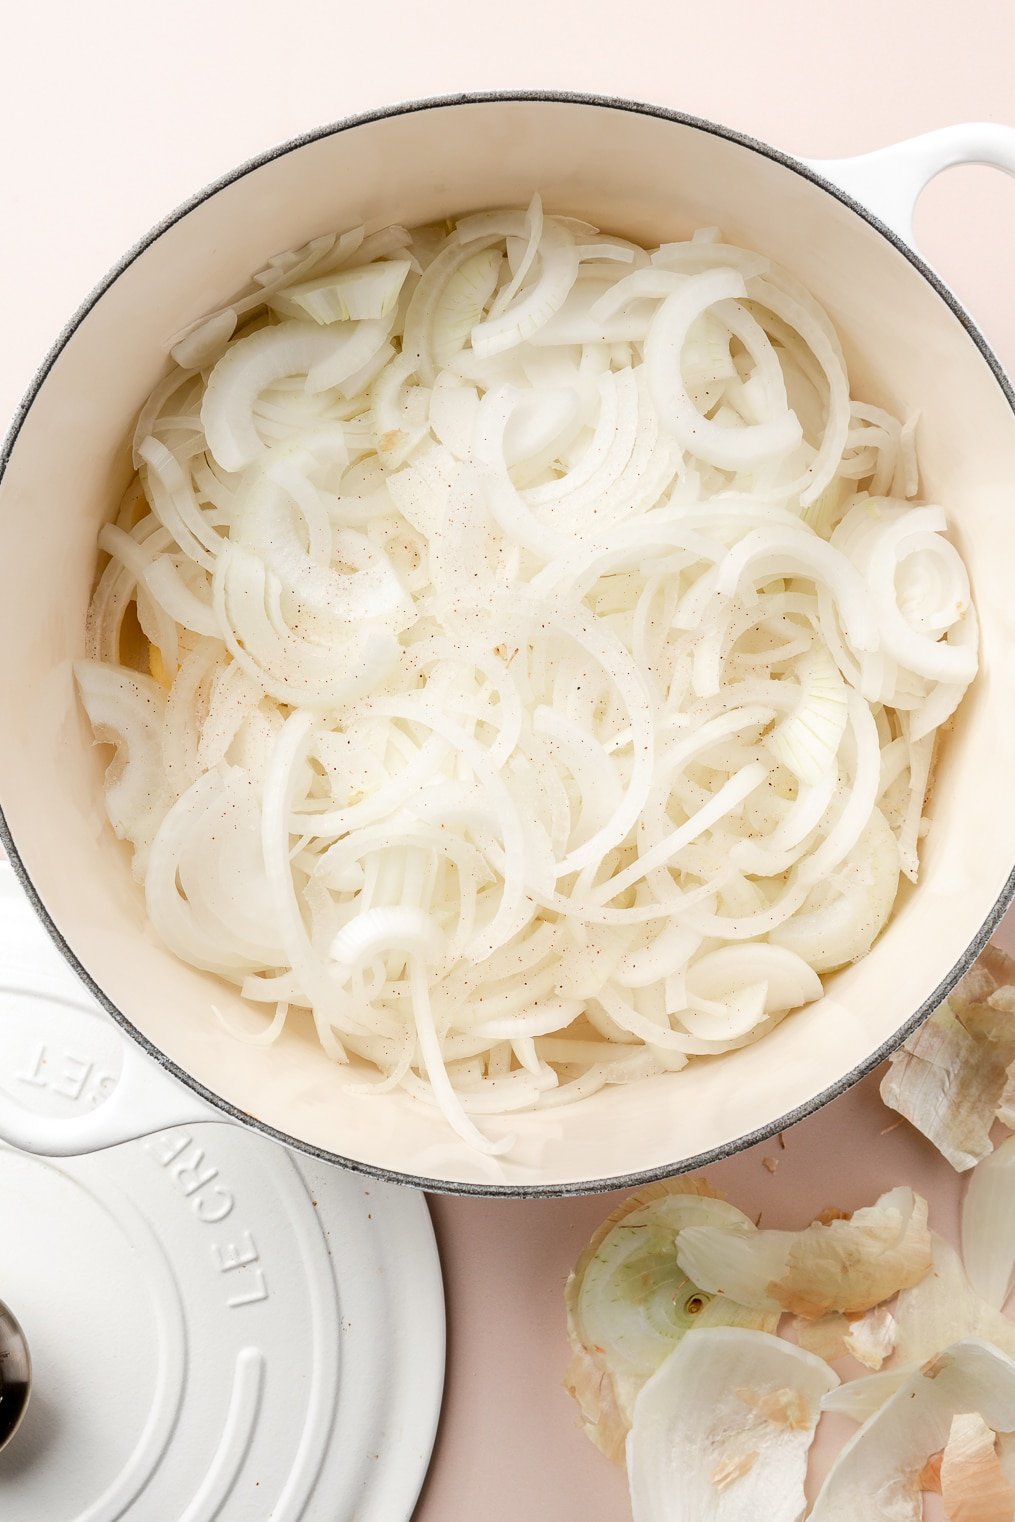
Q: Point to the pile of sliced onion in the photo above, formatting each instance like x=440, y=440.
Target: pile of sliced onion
x=522, y=655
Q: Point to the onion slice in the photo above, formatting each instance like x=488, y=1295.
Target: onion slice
x=250, y=366
x=127, y=710
x=728, y=448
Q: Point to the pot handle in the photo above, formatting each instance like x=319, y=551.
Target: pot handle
x=889, y=181
x=143, y=1099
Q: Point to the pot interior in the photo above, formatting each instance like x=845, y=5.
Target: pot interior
x=648, y=178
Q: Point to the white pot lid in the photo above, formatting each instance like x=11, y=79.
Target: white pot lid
x=218, y=1328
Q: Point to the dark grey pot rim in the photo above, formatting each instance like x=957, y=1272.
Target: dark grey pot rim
x=443, y=1186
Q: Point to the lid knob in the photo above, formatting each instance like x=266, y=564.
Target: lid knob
x=15, y=1375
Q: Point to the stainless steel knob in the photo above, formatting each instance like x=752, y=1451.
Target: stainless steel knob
x=15, y=1375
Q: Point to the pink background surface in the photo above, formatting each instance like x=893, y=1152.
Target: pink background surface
x=113, y=112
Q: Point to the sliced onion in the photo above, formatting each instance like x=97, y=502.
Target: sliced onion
x=251, y=365
x=798, y=309
x=736, y=448
x=558, y=269
x=460, y=305
x=137, y=559
x=291, y=668
x=418, y=336
x=164, y=579
x=366, y=291
x=840, y=919
x=804, y=554
x=187, y=932
x=126, y=710
x=807, y=742
x=174, y=504
x=546, y=656
x=521, y=267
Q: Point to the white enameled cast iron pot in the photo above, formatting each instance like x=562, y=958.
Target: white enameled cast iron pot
x=844, y=228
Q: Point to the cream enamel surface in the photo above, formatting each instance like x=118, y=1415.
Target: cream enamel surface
x=644, y=177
